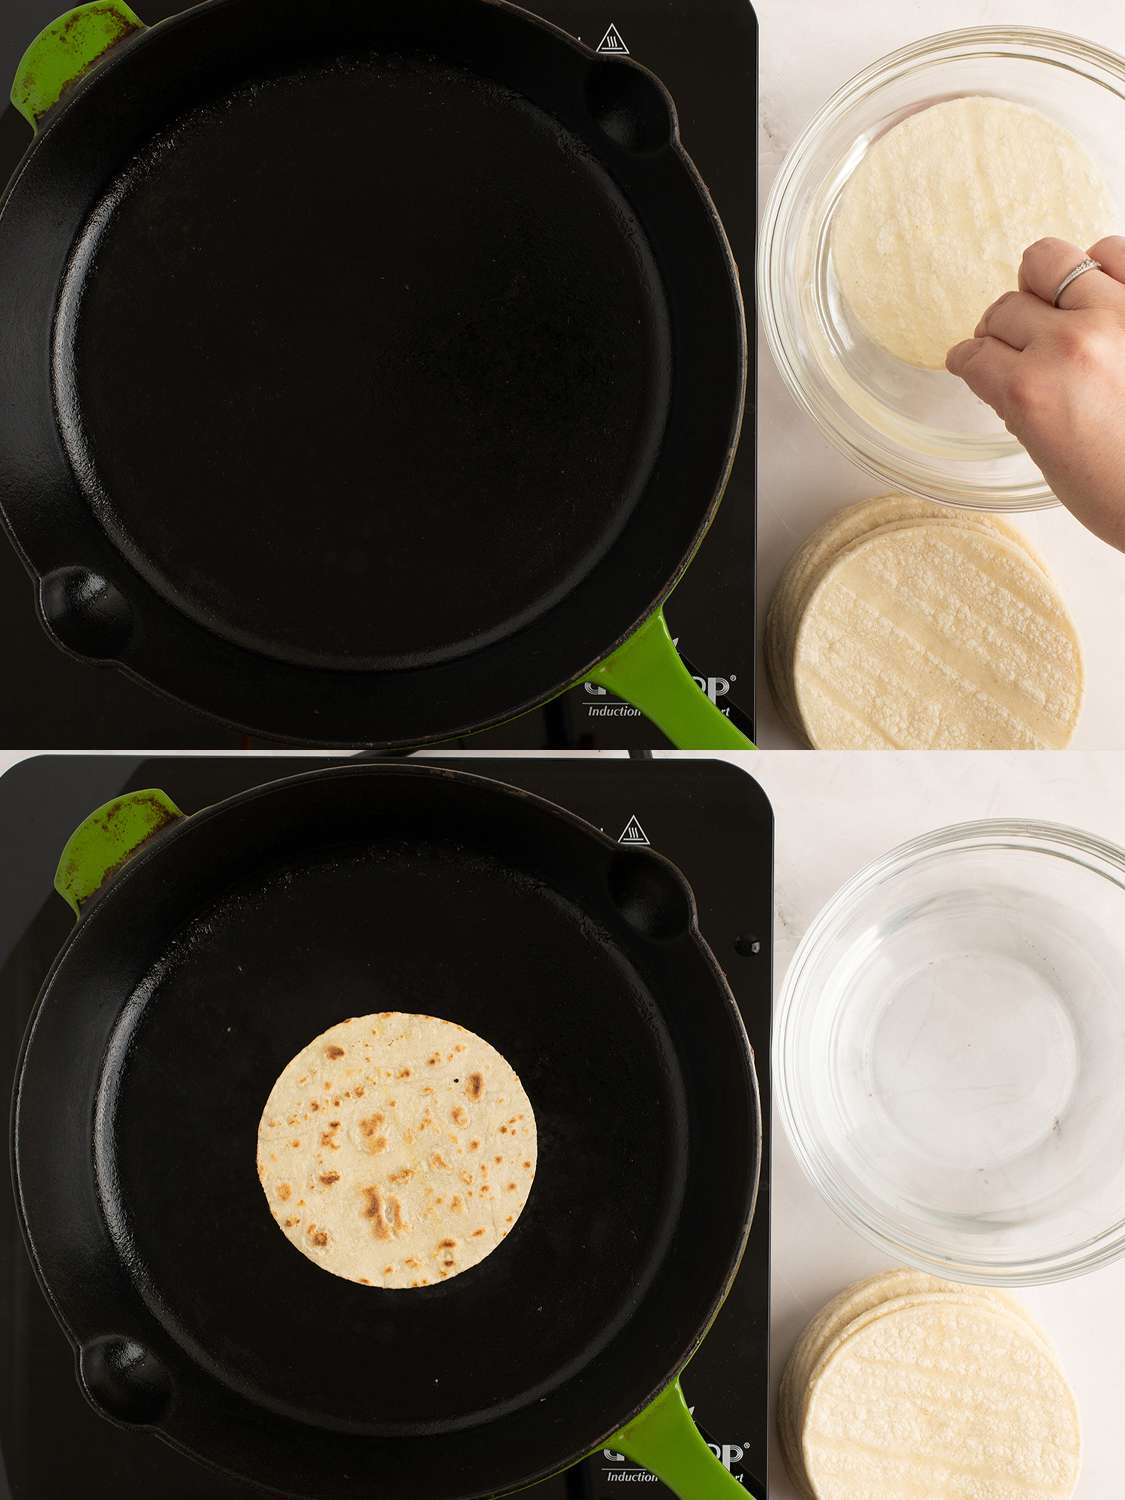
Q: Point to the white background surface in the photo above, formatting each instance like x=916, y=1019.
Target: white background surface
x=834, y=814
x=809, y=48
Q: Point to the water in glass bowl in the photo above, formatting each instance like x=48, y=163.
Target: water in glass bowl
x=951, y=1045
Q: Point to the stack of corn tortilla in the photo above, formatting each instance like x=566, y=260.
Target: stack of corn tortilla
x=902, y=624
x=907, y=1386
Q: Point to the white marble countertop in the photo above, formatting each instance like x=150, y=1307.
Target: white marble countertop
x=835, y=813
x=808, y=49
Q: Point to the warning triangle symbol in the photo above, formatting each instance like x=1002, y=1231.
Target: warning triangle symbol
x=633, y=833
x=612, y=42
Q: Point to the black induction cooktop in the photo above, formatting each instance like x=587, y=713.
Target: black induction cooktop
x=706, y=53
x=710, y=818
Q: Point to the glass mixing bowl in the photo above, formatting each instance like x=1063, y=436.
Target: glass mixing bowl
x=917, y=430
x=950, y=1049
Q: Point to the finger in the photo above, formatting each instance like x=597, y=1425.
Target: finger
x=1111, y=253
x=1046, y=263
x=986, y=365
x=1017, y=318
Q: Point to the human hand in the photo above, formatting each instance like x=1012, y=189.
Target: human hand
x=1056, y=375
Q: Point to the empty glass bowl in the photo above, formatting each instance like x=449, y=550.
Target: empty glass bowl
x=917, y=430
x=950, y=1050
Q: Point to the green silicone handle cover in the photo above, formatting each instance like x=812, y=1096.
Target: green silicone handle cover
x=665, y=1440
x=648, y=672
x=66, y=50
x=108, y=837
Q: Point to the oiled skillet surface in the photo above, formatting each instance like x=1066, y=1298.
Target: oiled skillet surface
x=364, y=363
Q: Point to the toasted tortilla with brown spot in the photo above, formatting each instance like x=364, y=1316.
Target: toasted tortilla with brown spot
x=394, y=1185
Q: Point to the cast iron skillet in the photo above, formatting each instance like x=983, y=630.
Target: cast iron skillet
x=370, y=372
x=226, y=943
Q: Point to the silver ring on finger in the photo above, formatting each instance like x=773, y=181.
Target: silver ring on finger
x=1080, y=270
